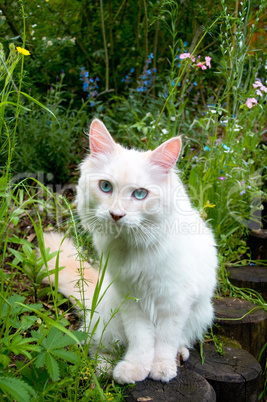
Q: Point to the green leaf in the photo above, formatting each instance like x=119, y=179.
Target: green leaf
x=80, y=335
x=3, y=186
x=14, y=104
x=52, y=339
x=40, y=360
x=4, y=360
x=50, y=321
x=52, y=367
x=39, y=104
x=18, y=345
x=66, y=355
x=17, y=389
x=19, y=256
x=27, y=322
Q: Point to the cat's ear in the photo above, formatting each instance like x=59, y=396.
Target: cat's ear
x=166, y=155
x=100, y=139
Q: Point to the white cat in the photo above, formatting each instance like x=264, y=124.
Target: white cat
x=159, y=252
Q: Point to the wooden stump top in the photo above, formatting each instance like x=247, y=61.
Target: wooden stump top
x=243, y=321
x=231, y=310
x=235, y=376
x=236, y=365
x=187, y=386
x=260, y=233
x=249, y=276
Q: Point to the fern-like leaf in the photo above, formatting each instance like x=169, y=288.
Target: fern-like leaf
x=52, y=367
x=17, y=389
x=65, y=355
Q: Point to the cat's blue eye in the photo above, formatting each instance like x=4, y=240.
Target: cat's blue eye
x=140, y=193
x=105, y=186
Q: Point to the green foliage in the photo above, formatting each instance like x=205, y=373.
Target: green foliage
x=52, y=350
x=17, y=389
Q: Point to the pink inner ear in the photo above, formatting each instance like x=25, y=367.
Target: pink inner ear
x=100, y=139
x=167, y=154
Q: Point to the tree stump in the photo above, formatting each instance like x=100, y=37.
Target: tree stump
x=187, y=386
x=257, y=242
x=243, y=321
x=264, y=214
x=249, y=276
x=235, y=376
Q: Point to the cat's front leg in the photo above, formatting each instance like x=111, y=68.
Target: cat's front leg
x=168, y=338
x=137, y=362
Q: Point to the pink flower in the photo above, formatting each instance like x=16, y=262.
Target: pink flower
x=184, y=56
x=201, y=65
x=255, y=85
x=221, y=178
x=259, y=85
x=258, y=92
x=208, y=59
x=251, y=102
x=193, y=59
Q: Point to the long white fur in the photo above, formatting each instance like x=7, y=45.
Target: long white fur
x=160, y=253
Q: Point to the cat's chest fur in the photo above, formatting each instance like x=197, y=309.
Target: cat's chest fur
x=151, y=275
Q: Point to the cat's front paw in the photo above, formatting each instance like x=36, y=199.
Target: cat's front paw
x=163, y=370
x=183, y=353
x=128, y=373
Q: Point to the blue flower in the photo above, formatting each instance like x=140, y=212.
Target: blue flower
x=242, y=192
x=206, y=148
x=151, y=56
x=226, y=147
x=185, y=44
x=132, y=70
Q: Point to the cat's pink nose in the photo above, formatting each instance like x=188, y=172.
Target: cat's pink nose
x=116, y=217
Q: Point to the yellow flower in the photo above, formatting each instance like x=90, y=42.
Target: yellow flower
x=203, y=213
x=23, y=51
x=209, y=205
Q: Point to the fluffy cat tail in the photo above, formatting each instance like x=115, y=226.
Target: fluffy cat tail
x=77, y=280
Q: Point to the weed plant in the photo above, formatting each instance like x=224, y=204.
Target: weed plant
x=54, y=139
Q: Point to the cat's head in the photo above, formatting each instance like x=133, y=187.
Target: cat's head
x=125, y=192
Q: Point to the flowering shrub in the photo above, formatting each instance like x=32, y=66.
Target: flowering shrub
x=259, y=89
x=202, y=65
x=90, y=85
